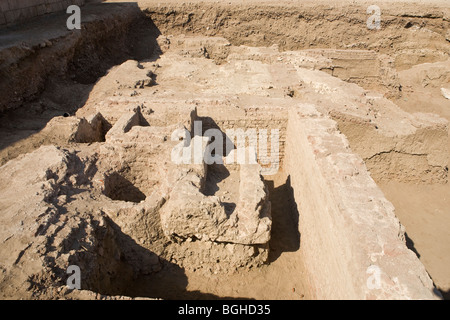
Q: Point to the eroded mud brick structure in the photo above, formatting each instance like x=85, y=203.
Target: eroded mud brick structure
x=109, y=131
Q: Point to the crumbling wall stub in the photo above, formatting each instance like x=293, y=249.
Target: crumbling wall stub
x=205, y=217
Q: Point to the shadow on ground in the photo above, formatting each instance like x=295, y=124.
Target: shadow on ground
x=445, y=294
x=285, y=217
x=410, y=245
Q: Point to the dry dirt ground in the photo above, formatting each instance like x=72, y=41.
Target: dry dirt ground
x=423, y=208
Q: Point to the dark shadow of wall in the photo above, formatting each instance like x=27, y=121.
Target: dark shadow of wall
x=285, y=218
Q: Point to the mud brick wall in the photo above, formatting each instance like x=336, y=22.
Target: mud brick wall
x=251, y=118
x=348, y=229
x=14, y=11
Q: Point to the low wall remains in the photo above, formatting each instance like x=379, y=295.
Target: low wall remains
x=352, y=243
x=241, y=122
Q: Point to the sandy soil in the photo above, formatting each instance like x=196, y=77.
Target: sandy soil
x=424, y=211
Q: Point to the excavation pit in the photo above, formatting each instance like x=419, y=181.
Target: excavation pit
x=335, y=118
